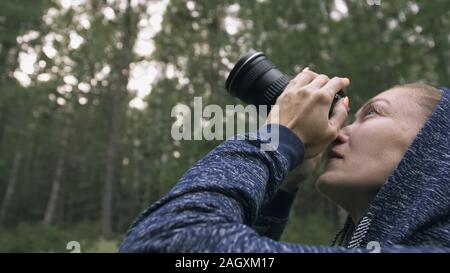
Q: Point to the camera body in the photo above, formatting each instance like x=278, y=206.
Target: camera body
x=255, y=80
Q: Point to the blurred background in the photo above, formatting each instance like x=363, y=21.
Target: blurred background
x=87, y=88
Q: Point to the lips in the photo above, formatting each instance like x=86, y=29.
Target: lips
x=335, y=154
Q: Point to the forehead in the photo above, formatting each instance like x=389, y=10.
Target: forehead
x=400, y=101
x=397, y=95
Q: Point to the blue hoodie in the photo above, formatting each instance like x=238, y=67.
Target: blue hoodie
x=229, y=201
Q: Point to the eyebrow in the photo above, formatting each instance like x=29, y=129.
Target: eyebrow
x=370, y=102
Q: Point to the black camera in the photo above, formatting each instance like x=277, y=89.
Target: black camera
x=255, y=80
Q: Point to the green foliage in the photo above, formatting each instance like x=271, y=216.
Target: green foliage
x=312, y=229
x=376, y=47
x=35, y=238
x=103, y=246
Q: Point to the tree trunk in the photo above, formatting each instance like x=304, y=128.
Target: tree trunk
x=2, y=123
x=10, y=187
x=153, y=189
x=57, y=177
x=118, y=110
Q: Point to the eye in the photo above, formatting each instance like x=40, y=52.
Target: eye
x=371, y=110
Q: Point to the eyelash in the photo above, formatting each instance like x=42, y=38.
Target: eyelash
x=370, y=108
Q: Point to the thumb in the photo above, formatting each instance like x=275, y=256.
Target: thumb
x=340, y=113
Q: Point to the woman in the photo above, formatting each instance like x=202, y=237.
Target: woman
x=390, y=169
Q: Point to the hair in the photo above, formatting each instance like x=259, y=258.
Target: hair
x=426, y=95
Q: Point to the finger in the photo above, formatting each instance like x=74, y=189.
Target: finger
x=308, y=69
x=304, y=78
x=339, y=114
x=335, y=85
x=318, y=82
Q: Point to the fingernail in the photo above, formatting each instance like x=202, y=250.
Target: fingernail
x=346, y=102
x=305, y=69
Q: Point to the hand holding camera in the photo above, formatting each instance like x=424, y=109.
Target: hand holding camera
x=303, y=108
x=306, y=103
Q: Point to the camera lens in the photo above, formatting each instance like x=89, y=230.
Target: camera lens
x=255, y=80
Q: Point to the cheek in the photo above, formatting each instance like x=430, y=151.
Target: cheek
x=376, y=151
x=373, y=151
x=378, y=140
x=366, y=144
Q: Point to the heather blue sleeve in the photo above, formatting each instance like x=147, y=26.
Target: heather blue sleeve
x=273, y=218
x=215, y=205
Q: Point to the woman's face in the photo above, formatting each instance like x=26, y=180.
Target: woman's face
x=367, y=151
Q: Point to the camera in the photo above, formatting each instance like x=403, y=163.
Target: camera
x=255, y=80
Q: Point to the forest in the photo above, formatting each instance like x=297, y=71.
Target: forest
x=87, y=88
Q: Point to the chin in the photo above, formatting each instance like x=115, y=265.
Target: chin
x=327, y=182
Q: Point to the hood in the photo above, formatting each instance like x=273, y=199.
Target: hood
x=413, y=206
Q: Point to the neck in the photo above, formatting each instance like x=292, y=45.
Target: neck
x=355, y=204
x=356, y=213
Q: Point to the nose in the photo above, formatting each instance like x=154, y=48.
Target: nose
x=342, y=136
